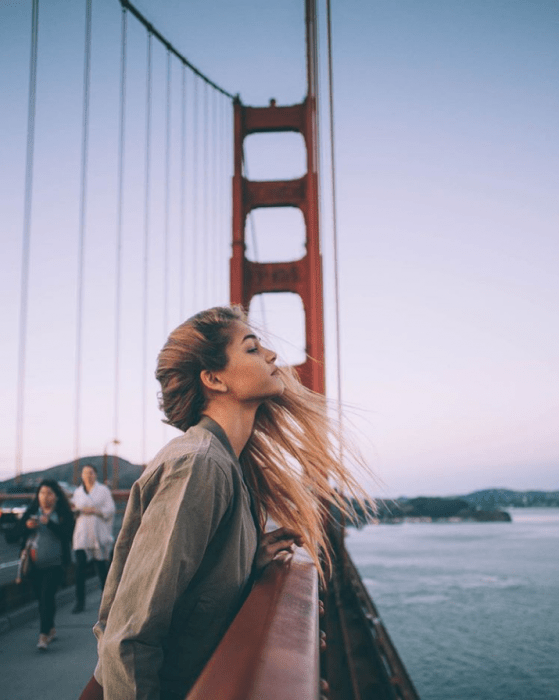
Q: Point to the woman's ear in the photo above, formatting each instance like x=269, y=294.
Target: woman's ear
x=212, y=381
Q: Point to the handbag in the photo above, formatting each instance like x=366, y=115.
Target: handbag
x=26, y=561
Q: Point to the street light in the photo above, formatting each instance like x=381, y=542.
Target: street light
x=114, y=442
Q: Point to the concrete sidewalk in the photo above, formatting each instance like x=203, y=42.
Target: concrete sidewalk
x=62, y=671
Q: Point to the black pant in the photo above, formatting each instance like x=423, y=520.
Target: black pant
x=45, y=581
x=81, y=565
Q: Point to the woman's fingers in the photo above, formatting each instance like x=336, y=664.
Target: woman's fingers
x=277, y=541
x=282, y=545
x=284, y=533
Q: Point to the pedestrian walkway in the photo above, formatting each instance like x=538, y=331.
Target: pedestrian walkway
x=60, y=672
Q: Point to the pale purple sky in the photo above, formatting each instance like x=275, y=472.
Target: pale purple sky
x=448, y=157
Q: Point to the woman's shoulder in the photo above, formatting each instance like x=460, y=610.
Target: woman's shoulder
x=194, y=443
x=197, y=450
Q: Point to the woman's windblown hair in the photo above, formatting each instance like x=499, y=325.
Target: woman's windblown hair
x=292, y=460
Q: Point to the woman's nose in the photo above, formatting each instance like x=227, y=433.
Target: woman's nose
x=271, y=356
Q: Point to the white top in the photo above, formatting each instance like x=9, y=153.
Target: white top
x=94, y=533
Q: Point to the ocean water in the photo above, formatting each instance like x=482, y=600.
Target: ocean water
x=472, y=608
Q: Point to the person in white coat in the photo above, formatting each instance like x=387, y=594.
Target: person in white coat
x=93, y=533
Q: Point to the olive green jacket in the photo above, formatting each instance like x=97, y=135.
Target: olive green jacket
x=181, y=568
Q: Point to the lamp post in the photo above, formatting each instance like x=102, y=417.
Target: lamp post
x=114, y=442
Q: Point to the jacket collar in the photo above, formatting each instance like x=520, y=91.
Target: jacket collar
x=209, y=424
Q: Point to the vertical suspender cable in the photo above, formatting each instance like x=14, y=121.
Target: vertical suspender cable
x=118, y=295
x=167, y=198
x=229, y=130
x=216, y=194
x=182, y=273
x=334, y=212
x=223, y=198
x=26, y=237
x=147, y=201
x=205, y=194
x=223, y=194
x=214, y=247
x=81, y=239
x=195, y=207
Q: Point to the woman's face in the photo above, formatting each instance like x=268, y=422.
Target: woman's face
x=89, y=477
x=251, y=374
x=47, y=498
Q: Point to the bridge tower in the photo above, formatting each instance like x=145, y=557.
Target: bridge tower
x=304, y=276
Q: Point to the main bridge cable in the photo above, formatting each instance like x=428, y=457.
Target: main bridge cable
x=26, y=237
x=140, y=17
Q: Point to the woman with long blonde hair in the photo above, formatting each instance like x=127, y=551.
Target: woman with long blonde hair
x=256, y=445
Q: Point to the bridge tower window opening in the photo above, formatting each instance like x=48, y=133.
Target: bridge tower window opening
x=288, y=336
x=275, y=156
x=275, y=235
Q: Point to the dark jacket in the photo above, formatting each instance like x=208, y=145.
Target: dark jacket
x=62, y=529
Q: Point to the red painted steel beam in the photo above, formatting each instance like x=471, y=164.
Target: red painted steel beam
x=274, y=118
x=275, y=193
x=271, y=648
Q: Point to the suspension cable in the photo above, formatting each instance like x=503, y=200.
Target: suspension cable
x=167, y=198
x=229, y=129
x=128, y=5
x=118, y=294
x=195, y=207
x=223, y=164
x=213, y=209
x=26, y=244
x=81, y=237
x=205, y=165
x=182, y=197
x=147, y=202
x=334, y=212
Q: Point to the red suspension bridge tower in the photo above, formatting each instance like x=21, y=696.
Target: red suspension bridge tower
x=302, y=277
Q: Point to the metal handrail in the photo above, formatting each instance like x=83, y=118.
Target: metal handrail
x=272, y=647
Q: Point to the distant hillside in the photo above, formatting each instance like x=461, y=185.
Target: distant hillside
x=488, y=505
x=488, y=499
x=127, y=473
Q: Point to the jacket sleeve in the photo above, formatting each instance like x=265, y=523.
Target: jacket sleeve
x=106, y=504
x=22, y=532
x=166, y=551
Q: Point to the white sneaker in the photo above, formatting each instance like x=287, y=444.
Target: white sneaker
x=43, y=642
x=51, y=636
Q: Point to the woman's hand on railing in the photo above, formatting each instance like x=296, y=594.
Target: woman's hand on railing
x=274, y=542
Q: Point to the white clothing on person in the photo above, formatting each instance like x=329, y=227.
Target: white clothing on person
x=94, y=533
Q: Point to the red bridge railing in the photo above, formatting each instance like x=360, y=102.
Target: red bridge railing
x=271, y=649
